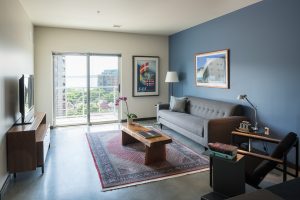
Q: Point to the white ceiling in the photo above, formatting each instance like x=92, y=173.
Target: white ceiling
x=162, y=17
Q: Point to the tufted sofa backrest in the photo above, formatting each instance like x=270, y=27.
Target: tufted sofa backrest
x=211, y=109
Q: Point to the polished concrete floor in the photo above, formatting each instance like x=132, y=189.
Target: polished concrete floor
x=70, y=174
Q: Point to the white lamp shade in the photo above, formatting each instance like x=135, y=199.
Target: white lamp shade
x=171, y=77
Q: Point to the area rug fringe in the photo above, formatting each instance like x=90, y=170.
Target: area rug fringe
x=153, y=180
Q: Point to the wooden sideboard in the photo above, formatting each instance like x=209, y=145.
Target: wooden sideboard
x=27, y=145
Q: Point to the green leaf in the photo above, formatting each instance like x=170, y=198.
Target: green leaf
x=132, y=115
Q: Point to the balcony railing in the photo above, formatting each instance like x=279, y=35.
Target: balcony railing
x=71, y=102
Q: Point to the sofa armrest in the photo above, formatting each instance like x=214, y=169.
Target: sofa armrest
x=161, y=107
x=165, y=106
x=219, y=130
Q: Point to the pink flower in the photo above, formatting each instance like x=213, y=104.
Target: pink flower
x=123, y=98
x=117, y=103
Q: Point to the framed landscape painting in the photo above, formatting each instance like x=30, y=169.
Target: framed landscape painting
x=212, y=68
x=145, y=76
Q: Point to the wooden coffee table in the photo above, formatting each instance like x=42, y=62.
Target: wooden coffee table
x=155, y=148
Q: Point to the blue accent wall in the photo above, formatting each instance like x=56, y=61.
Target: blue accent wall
x=264, y=48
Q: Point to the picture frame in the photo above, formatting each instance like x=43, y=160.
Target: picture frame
x=212, y=69
x=145, y=76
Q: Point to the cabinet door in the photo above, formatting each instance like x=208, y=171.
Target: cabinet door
x=21, y=151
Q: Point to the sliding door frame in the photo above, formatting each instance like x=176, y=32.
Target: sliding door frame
x=88, y=55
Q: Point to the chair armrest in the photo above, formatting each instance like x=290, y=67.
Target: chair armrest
x=219, y=130
x=165, y=106
x=264, y=157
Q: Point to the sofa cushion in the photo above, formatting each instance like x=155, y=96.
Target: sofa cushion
x=189, y=122
x=177, y=104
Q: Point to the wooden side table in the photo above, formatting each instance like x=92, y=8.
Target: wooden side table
x=253, y=136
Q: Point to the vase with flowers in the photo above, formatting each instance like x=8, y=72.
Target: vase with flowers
x=130, y=116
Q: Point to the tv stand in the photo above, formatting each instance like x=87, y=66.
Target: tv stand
x=27, y=145
x=25, y=123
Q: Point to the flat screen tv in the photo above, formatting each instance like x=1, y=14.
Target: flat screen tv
x=26, y=98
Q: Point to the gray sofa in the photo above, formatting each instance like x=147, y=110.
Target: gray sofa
x=204, y=121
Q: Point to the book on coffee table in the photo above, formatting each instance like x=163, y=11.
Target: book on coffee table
x=149, y=134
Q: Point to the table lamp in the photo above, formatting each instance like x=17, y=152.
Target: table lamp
x=244, y=97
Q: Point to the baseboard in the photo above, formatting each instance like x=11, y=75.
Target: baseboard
x=141, y=119
x=4, y=187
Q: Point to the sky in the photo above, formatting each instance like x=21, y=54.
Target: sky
x=77, y=66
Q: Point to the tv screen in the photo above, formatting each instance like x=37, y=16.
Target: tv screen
x=26, y=94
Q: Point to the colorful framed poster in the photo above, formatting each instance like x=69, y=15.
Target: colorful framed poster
x=145, y=76
x=211, y=69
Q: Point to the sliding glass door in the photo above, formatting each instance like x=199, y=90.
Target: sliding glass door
x=103, y=88
x=85, y=87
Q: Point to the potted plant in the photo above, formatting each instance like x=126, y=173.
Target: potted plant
x=130, y=116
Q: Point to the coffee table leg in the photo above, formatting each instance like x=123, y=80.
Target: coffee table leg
x=155, y=154
x=127, y=139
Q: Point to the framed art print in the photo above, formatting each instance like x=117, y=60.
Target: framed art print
x=212, y=68
x=145, y=76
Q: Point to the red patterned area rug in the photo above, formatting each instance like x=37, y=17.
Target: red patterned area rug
x=122, y=166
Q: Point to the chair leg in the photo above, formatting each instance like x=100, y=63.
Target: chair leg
x=284, y=168
x=210, y=171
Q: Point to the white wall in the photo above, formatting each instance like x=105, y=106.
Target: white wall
x=48, y=40
x=16, y=58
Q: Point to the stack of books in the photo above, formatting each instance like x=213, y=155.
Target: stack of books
x=223, y=150
x=149, y=134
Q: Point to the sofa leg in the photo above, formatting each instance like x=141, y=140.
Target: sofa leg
x=161, y=126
